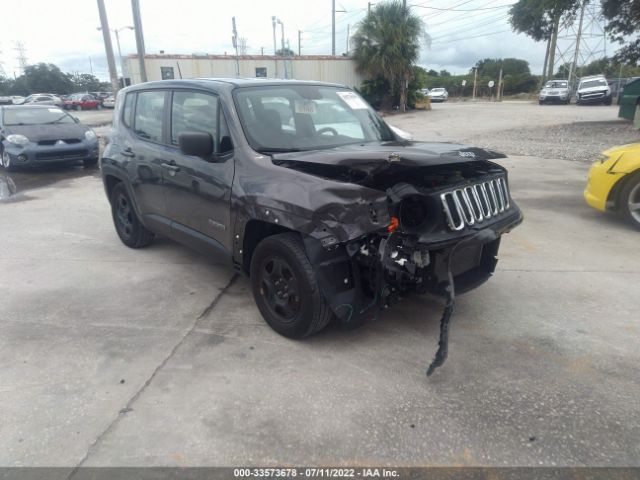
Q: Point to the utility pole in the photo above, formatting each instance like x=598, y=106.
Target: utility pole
x=90, y=66
x=299, y=41
x=369, y=8
x=333, y=27
x=106, y=35
x=554, y=42
x=499, y=92
x=22, y=55
x=475, y=78
x=284, y=58
x=574, y=64
x=234, y=40
x=137, y=23
x=347, y=51
x=275, y=49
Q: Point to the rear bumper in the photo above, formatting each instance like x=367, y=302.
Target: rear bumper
x=34, y=154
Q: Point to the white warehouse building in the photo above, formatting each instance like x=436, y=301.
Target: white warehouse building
x=324, y=68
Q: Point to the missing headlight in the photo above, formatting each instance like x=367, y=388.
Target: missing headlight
x=413, y=212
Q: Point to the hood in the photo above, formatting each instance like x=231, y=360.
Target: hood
x=375, y=157
x=38, y=133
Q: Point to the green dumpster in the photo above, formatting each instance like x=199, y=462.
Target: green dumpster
x=630, y=100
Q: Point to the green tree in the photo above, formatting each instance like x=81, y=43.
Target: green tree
x=540, y=20
x=432, y=73
x=623, y=24
x=445, y=73
x=510, y=66
x=85, y=82
x=47, y=77
x=287, y=52
x=387, y=44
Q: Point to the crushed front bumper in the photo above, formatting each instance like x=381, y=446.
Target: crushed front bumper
x=361, y=277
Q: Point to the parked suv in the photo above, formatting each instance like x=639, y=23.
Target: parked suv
x=556, y=91
x=304, y=188
x=594, y=89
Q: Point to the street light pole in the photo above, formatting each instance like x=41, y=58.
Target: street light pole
x=117, y=32
x=284, y=58
x=275, y=48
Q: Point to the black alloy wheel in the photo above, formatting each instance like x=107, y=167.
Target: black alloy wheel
x=128, y=227
x=285, y=288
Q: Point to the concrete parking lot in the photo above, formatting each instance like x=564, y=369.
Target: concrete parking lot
x=110, y=356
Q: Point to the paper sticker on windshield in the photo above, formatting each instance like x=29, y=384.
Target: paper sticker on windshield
x=305, y=106
x=353, y=100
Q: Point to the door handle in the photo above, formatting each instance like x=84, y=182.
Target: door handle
x=127, y=152
x=170, y=167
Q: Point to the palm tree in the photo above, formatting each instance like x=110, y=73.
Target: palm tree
x=387, y=44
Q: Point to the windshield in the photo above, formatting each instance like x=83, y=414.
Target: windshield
x=556, y=85
x=593, y=83
x=437, y=89
x=35, y=116
x=306, y=117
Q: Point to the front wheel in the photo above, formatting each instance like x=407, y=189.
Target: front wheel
x=630, y=200
x=128, y=226
x=78, y=108
x=540, y=102
x=5, y=161
x=285, y=288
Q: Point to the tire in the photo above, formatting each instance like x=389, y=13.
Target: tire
x=540, y=102
x=607, y=101
x=5, y=161
x=128, y=226
x=90, y=162
x=78, y=108
x=99, y=106
x=630, y=195
x=280, y=266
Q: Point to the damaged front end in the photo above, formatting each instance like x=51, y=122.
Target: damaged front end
x=447, y=211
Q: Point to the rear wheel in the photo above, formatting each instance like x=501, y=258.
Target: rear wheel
x=128, y=226
x=630, y=200
x=78, y=107
x=285, y=288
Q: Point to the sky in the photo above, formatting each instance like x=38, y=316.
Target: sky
x=64, y=32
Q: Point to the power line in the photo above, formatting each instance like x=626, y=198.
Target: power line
x=460, y=16
x=469, y=26
x=474, y=36
x=463, y=10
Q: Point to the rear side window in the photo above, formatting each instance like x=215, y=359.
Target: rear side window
x=199, y=112
x=127, y=109
x=149, y=113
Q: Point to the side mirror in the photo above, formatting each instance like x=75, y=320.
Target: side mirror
x=198, y=144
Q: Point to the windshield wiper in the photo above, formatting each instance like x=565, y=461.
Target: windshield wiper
x=278, y=150
x=55, y=121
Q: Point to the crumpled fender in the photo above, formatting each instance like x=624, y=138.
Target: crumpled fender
x=328, y=210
